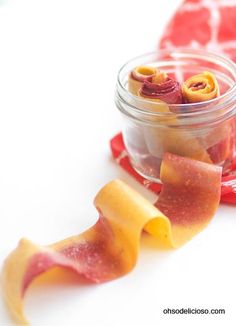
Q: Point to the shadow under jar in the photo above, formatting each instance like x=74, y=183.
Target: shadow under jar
x=205, y=131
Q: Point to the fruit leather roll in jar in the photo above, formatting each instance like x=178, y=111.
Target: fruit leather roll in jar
x=163, y=132
x=217, y=140
x=138, y=75
x=135, y=81
x=136, y=139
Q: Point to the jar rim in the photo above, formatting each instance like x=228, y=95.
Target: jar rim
x=191, y=108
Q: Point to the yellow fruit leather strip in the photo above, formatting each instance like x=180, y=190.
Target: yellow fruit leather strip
x=161, y=138
x=217, y=140
x=109, y=249
x=200, y=88
x=137, y=77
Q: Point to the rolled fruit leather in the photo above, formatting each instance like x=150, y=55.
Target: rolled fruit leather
x=218, y=140
x=135, y=81
x=159, y=135
x=200, y=88
x=137, y=77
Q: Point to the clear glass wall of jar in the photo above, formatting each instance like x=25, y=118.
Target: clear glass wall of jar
x=205, y=131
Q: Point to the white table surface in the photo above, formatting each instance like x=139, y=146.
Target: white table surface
x=58, y=65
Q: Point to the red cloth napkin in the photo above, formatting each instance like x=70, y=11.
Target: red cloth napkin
x=208, y=24
x=212, y=26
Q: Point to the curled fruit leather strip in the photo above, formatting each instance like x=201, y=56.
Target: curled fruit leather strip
x=141, y=74
x=216, y=140
x=136, y=79
x=138, y=76
x=200, y=88
x=109, y=249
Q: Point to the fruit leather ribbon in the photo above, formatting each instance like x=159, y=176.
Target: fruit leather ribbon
x=187, y=202
x=119, y=153
x=212, y=26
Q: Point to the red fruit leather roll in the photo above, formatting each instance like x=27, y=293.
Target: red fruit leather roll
x=169, y=91
x=138, y=76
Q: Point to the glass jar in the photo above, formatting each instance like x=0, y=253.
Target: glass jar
x=205, y=131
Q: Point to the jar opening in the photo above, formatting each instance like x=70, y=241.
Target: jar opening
x=181, y=62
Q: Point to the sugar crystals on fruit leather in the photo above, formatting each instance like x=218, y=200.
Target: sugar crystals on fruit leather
x=110, y=248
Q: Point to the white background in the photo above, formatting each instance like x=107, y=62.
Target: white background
x=58, y=66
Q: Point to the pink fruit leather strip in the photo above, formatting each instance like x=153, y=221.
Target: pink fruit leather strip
x=109, y=249
x=119, y=153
